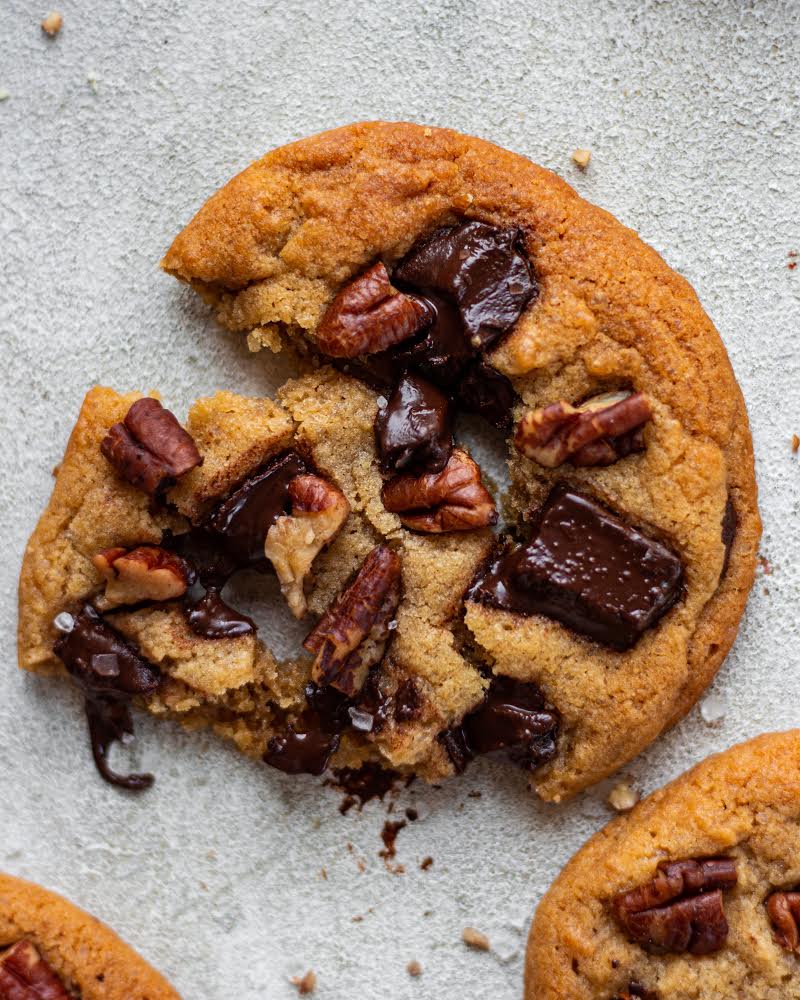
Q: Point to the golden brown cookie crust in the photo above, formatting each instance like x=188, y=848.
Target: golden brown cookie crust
x=743, y=803
x=88, y=956
x=272, y=248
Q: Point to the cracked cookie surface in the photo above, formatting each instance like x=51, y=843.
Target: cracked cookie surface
x=690, y=895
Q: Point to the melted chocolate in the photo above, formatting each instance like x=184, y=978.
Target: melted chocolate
x=206, y=552
x=587, y=569
x=414, y=430
x=730, y=523
x=483, y=390
x=307, y=746
x=110, y=672
x=244, y=517
x=212, y=618
x=481, y=268
x=441, y=352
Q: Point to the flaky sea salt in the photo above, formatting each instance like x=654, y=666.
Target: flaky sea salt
x=64, y=622
x=713, y=709
x=361, y=720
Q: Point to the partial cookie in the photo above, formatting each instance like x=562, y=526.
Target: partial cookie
x=430, y=264
x=51, y=950
x=693, y=894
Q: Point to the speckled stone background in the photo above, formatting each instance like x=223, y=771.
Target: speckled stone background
x=228, y=876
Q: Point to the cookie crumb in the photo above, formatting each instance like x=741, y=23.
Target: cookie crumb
x=53, y=23
x=305, y=984
x=623, y=797
x=581, y=158
x=474, y=939
x=795, y=444
x=414, y=968
x=4, y=95
x=426, y=863
x=713, y=709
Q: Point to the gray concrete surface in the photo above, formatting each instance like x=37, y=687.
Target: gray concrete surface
x=113, y=134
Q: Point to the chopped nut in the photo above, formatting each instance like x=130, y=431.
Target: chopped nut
x=147, y=573
x=319, y=510
x=581, y=158
x=454, y=499
x=414, y=969
x=795, y=444
x=370, y=315
x=680, y=909
x=52, y=24
x=351, y=636
x=600, y=431
x=622, y=797
x=149, y=448
x=474, y=939
x=305, y=984
x=783, y=909
x=25, y=975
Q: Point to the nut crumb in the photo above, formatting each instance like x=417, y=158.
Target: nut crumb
x=623, y=797
x=795, y=444
x=427, y=132
x=474, y=939
x=414, y=969
x=581, y=158
x=305, y=984
x=53, y=23
x=426, y=863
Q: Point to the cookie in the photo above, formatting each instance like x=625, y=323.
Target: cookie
x=51, y=950
x=429, y=264
x=692, y=894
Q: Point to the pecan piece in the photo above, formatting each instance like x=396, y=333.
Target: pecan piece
x=783, y=909
x=149, y=448
x=319, y=510
x=680, y=909
x=351, y=636
x=454, y=499
x=370, y=315
x=146, y=573
x=600, y=431
x=25, y=975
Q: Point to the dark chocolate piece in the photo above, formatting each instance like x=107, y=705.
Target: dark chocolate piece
x=730, y=523
x=414, y=431
x=588, y=569
x=307, y=746
x=483, y=390
x=441, y=352
x=212, y=618
x=110, y=672
x=514, y=718
x=206, y=552
x=482, y=268
x=407, y=701
x=244, y=517
x=455, y=745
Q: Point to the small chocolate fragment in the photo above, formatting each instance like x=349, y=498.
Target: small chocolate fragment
x=414, y=431
x=513, y=717
x=783, y=909
x=455, y=744
x=25, y=975
x=680, y=909
x=587, y=569
x=362, y=784
x=110, y=672
x=407, y=701
x=212, y=618
x=482, y=268
x=149, y=448
x=483, y=390
x=306, y=746
x=244, y=518
x=730, y=522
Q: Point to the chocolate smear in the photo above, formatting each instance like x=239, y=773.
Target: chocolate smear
x=306, y=746
x=212, y=618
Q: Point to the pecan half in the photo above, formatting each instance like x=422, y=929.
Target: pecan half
x=370, y=315
x=149, y=448
x=454, y=499
x=680, y=909
x=351, y=636
x=25, y=975
x=146, y=573
x=600, y=431
x=319, y=510
x=783, y=909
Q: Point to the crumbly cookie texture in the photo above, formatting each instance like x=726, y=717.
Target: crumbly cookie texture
x=88, y=957
x=272, y=249
x=741, y=806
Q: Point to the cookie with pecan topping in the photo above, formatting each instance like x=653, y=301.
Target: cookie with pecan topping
x=51, y=950
x=417, y=257
x=691, y=894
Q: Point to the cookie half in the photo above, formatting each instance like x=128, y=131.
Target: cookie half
x=401, y=253
x=51, y=949
x=694, y=893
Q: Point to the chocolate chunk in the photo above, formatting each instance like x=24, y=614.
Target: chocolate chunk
x=414, y=430
x=212, y=618
x=441, y=352
x=110, y=672
x=483, y=390
x=588, y=569
x=483, y=269
x=25, y=975
x=244, y=518
x=407, y=701
x=730, y=522
x=783, y=909
x=513, y=717
x=681, y=908
x=307, y=746
x=207, y=552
